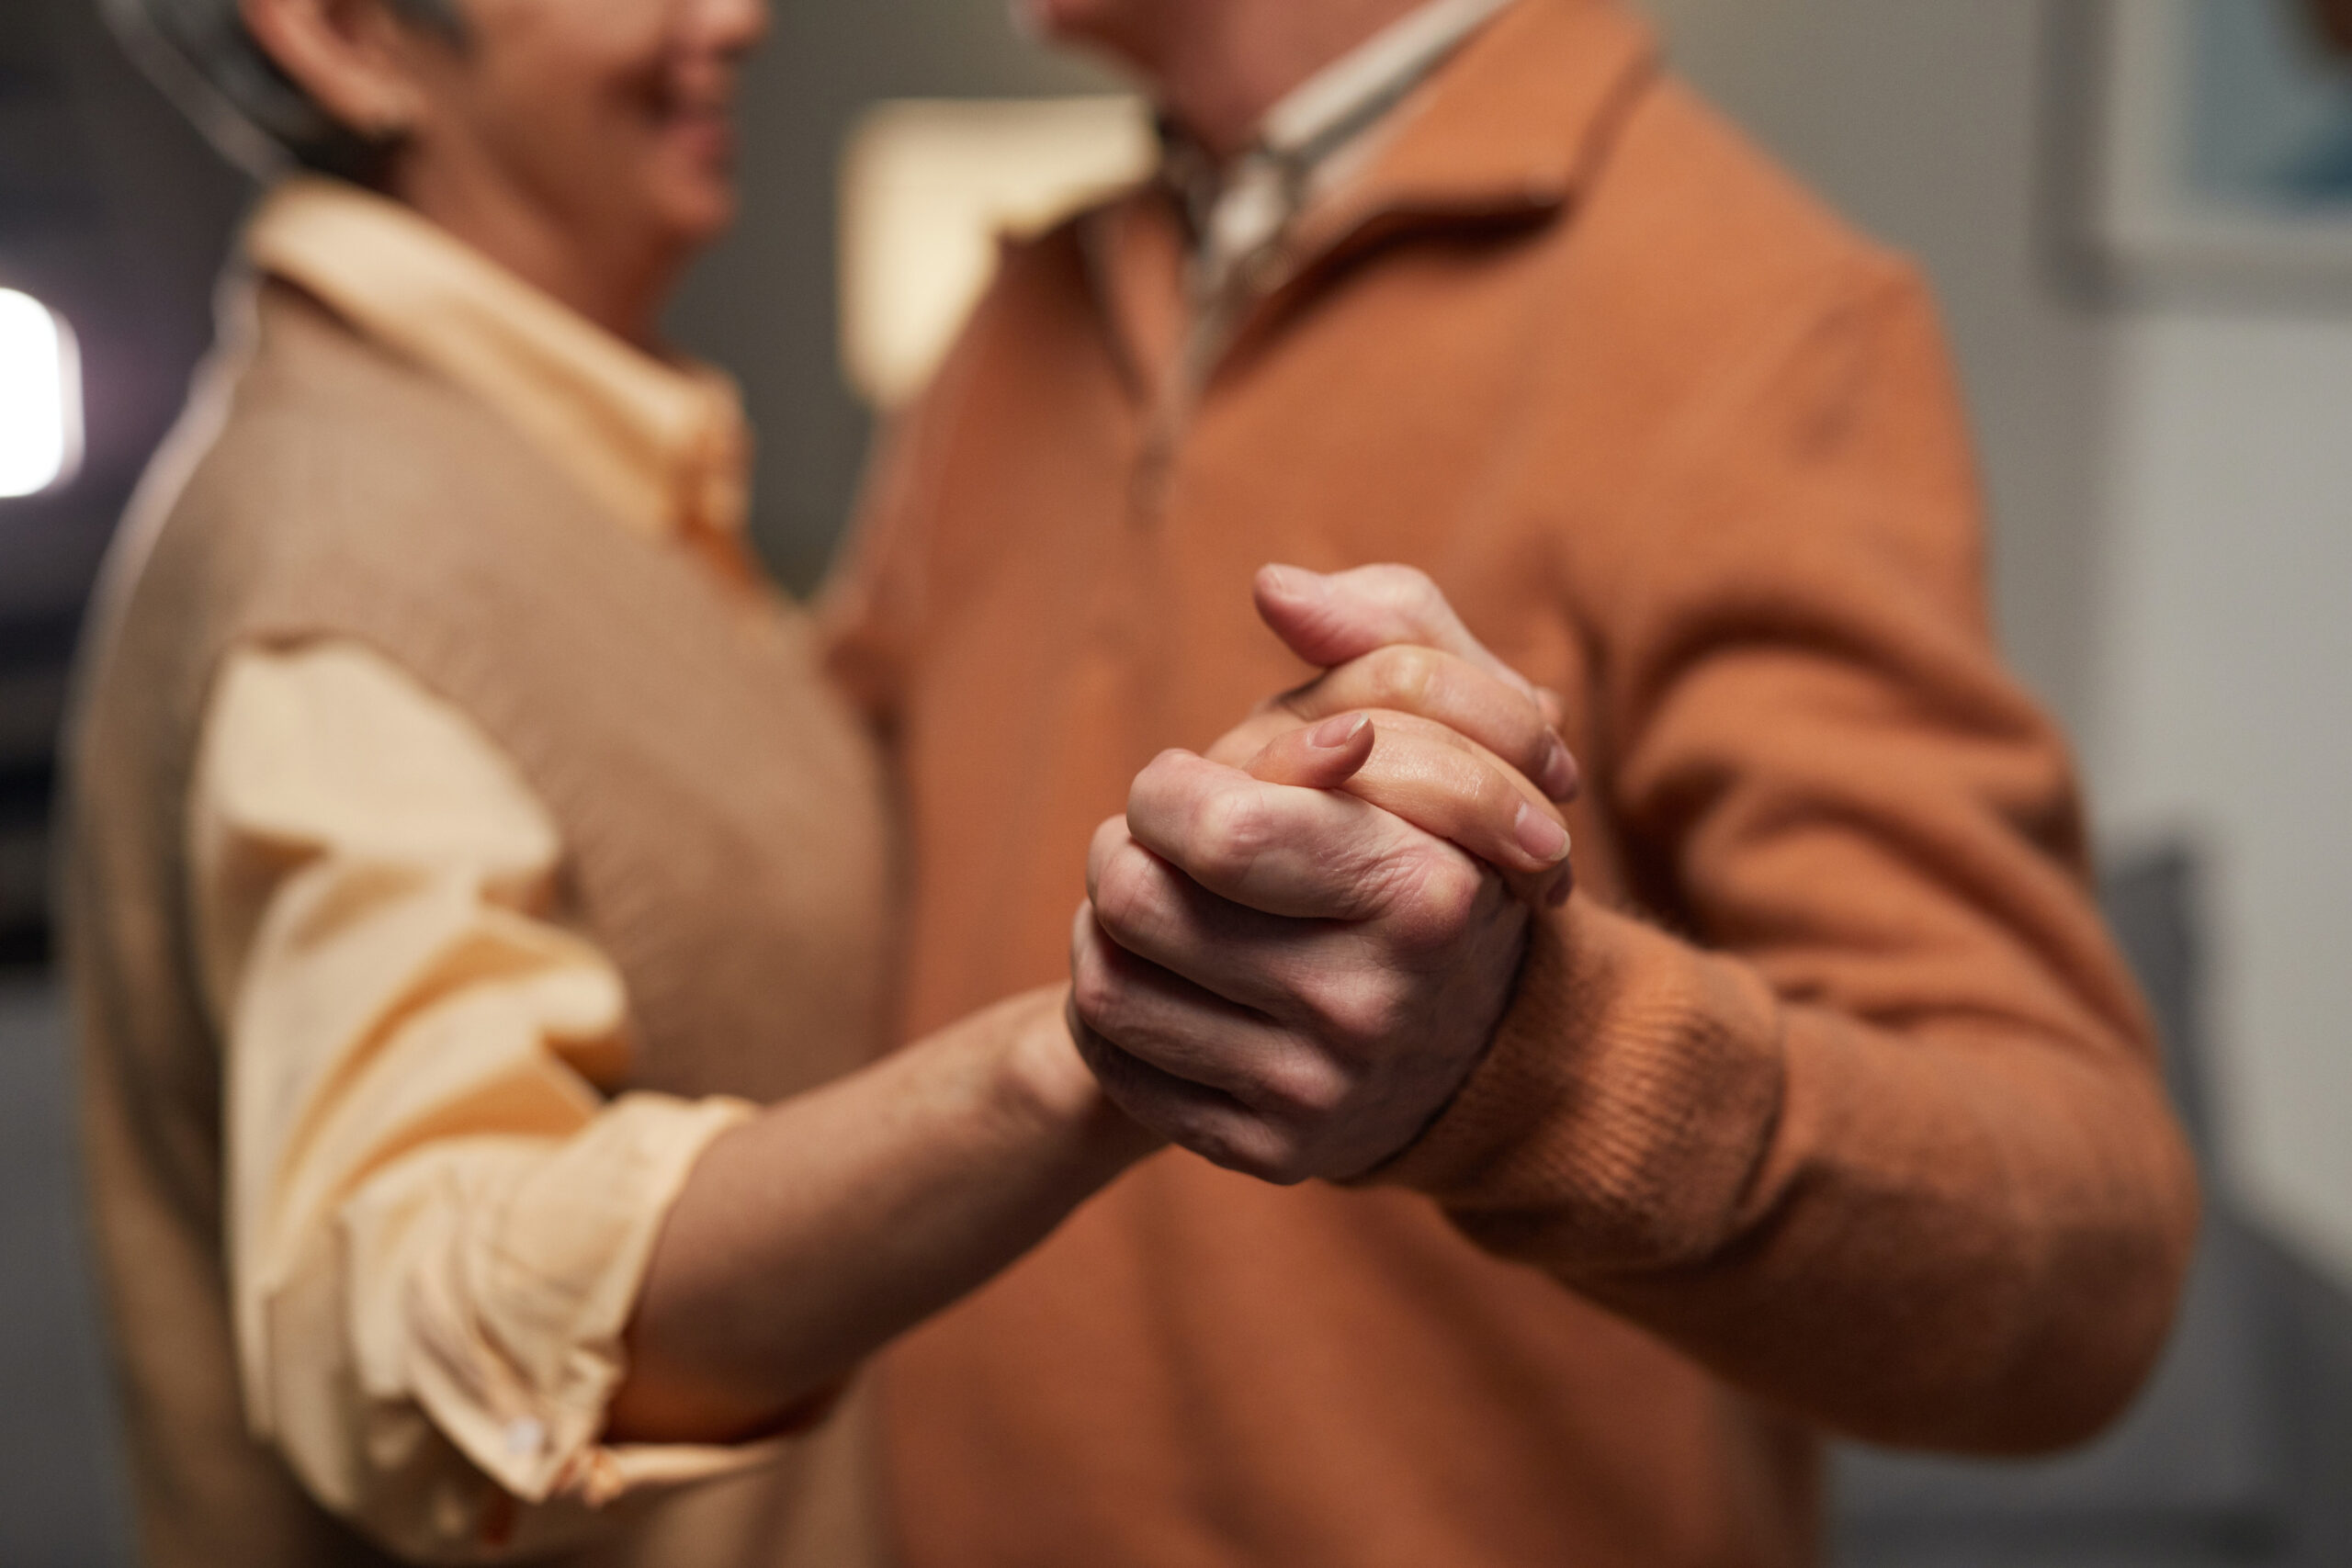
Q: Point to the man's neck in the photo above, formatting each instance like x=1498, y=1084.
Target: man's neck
x=1232, y=61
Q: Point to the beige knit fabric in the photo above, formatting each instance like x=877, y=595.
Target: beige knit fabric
x=726, y=847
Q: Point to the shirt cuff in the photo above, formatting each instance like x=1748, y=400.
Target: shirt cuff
x=510, y=1331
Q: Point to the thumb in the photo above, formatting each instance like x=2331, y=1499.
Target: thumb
x=1320, y=756
x=1327, y=618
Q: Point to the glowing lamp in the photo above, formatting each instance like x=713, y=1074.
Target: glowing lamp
x=40, y=397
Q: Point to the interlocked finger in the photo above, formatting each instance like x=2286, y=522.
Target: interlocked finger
x=1445, y=784
x=1450, y=691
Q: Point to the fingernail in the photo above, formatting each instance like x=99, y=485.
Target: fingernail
x=1284, y=578
x=1540, y=837
x=1338, y=730
x=1559, y=780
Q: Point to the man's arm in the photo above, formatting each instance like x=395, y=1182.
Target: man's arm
x=1875, y=1130
x=1878, y=1132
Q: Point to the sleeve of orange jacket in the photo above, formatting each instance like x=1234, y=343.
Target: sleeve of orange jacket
x=1868, y=1118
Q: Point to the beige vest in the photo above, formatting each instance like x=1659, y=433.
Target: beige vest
x=726, y=845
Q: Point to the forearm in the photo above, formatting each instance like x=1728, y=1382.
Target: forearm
x=807, y=1237
x=1963, y=1232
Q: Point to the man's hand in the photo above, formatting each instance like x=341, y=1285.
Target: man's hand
x=1461, y=735
x=1289, y=979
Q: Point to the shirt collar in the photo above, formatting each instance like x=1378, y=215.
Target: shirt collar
x=664, y=446
x=1307, y=138
x=1511, y=129
x=1347, y=95
x=1505, y=133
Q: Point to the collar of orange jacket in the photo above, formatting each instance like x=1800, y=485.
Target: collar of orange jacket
x=1505, y=133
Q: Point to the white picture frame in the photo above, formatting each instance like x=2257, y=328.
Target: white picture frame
x=2204, y=109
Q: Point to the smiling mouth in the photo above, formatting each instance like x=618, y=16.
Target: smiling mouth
x=701, y=119
x=709, y=134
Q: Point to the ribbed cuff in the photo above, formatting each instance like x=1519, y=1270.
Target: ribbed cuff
x=1628, y=1096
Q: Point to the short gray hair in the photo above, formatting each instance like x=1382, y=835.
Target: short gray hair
x=200, y=53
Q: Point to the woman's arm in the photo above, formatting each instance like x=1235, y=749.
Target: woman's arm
x=437, y=1215
x=453, y=1259
x=810, y=1235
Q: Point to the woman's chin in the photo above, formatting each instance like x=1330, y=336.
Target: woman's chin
x=698, y=213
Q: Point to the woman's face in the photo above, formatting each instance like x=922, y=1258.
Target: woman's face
x=614, y=117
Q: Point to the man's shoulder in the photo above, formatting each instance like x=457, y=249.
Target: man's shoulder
x=1687, y=220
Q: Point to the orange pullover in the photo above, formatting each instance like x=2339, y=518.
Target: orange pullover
x=1825, y=1103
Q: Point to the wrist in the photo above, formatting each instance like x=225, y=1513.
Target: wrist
x=1044, y=1087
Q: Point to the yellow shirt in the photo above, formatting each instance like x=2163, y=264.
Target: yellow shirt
x=433, y=1197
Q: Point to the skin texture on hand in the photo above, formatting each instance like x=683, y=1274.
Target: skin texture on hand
x=1290, y=967
x=1433, y=777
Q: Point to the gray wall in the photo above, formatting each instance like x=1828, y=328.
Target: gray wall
x=762, y=303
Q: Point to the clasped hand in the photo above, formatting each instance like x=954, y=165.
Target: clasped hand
x=1296, y=947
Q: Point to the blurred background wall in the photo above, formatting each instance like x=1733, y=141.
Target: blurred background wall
x=2170, y=479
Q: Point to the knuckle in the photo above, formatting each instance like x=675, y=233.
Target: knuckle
x=1110, y=837
x=1406, y=676
x=1094, y=991
x=1124, y=891
x=1353, y=1012
x=1106, y=1062
x=1405, y=585
x=1215, y=1138
x=1229, y=831
x=1442, y=890
x=1161, y=778
x=1256, y=1148
x=1308, y=1088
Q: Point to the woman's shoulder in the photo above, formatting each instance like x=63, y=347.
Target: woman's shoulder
x=313, y=395
x=322, y=441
